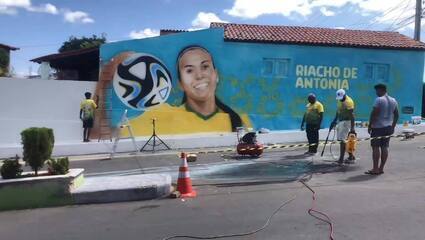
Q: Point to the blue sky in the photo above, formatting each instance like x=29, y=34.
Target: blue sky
x=39, y=27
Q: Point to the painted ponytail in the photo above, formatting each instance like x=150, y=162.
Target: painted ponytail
x=235, y=119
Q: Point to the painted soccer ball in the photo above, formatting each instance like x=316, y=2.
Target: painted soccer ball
x=142, y=81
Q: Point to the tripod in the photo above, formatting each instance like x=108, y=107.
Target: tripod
x=155, y=139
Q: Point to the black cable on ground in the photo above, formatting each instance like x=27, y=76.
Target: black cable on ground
x=236, y=234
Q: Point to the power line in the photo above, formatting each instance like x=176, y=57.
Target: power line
x=410, y=22
x=401, y=14
x=376, y=16
x=404, y=21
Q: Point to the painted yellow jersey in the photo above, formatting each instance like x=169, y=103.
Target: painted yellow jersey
x=177, y=120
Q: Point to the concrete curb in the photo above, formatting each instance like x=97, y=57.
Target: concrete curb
x=122, y=188
x=41, y=191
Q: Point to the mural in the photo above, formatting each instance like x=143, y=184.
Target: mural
x=197, y=82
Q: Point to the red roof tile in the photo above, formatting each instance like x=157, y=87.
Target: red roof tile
x=317, y=36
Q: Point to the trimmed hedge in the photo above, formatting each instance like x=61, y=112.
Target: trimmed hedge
x=38, y=146
x=58, y=166
x=11, y=168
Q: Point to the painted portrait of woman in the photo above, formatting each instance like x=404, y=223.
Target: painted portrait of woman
x=198, y=78
x=200, y=109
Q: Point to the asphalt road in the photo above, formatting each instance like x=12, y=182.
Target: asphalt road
x=389, y=206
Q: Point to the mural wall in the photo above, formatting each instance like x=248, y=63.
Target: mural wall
x=197, y=82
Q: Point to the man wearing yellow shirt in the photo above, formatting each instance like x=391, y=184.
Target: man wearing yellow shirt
x=344, y=122
x=87, y=108
x=313, y=118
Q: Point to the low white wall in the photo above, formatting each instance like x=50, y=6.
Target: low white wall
x=189, y=141
x=41, y=103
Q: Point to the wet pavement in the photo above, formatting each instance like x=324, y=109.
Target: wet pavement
x=272, y=166
x=389, y=206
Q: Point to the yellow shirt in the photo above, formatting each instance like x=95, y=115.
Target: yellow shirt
x=177, y=120
x=312, y=115
x=343, y=109
x=88, y=106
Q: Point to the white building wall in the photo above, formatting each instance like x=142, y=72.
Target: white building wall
x=41, y=103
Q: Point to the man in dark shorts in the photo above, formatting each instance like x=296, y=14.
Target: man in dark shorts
x=87, y=108
x=382, y=122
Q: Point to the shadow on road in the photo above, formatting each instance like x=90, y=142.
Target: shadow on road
x=239, y=157
x=359, y=178
x=297, y=156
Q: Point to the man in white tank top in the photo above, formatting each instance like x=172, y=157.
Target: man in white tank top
x=383, y=120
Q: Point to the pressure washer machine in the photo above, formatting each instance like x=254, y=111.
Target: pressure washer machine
x=248, y=145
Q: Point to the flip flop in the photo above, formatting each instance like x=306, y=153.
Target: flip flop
x=370, y=172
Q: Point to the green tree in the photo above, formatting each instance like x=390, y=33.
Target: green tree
x=75, y=43
x=38, y=146
x=4, y=62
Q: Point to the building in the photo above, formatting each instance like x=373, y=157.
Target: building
x=264, y=74
x=5, y=58
x=82, y=64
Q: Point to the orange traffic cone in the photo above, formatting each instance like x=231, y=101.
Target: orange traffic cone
x=184, y=183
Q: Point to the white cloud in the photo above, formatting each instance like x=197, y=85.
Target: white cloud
x=145, y=33
x=254, y=9
x=77, y=17
x=326, y=12
x=384, y=13
x=203, y=20
x=15, y=3
x=7, y=10
x=395, y=14
x=45, y=8
x=11, y=7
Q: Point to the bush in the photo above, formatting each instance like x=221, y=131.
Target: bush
x=38, y=145
x=58, y=166
x=11, y=168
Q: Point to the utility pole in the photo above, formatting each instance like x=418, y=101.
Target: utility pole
x=418, y=17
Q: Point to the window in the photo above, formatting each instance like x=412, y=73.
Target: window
x=369, y=71
x=377, y=72
x=281, y=67
x=382, y=73
x=267, y=68
x=275, y=67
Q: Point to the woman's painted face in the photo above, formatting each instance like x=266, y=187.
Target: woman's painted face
x=198, y=78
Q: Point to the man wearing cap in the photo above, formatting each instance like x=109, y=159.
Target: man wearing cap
x=344, y=122
x=313, y=119
x=383, y=120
